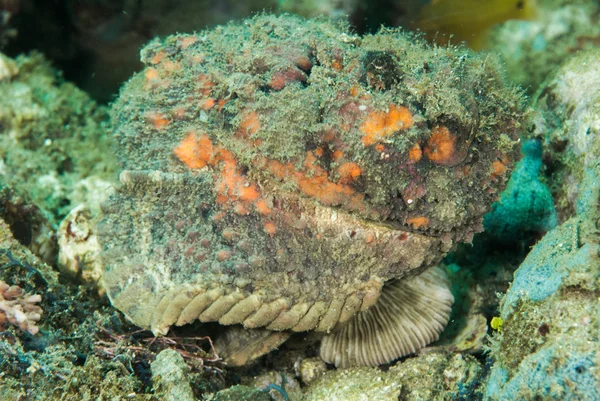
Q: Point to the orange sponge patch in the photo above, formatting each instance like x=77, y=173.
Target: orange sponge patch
x=418, y=222
x=498, y=169
x=195, y=153
x=262, y=207
x=380, y=124
x=187, y=41
x=249, y=125
x=151, y=74
x=348, y=172
x=231, y=186
x=269, y=228
x=159, y=121
x=315, y=183
x=441, y=146
x=187, y=151
x=415, y=153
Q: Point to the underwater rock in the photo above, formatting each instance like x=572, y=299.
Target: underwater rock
x=470, y=338
x=15, y=255
x=71, y=358
x=282, y=173
x=91, y=191
x=532, y=49
x=28, y=224
x=279, y=386
x=51, y=137
x=308, y=370
x=238, y=345
x=353, y=385
x=567, y=121
x=8, y=68
x=170, y=377
x=548, y=345
x=432, y=376
x=242, y=393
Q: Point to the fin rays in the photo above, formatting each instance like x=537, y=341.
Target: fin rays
x=410, y=314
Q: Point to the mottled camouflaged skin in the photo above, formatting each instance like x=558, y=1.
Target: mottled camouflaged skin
x=278, y=171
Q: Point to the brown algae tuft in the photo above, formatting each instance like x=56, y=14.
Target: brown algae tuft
x=281, y=172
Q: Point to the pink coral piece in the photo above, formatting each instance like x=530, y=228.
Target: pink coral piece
x=19, y=308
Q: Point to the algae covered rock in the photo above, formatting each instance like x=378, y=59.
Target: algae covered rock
x=548, y=347
x=79, y=248
x=567, y=121
x=432, y=376
x=169, y=374
x=279, y=386
x=310, y=369
x=532, y=49
x=353, y=385
x=52, y=136
x=280, y=172
x=242, y=393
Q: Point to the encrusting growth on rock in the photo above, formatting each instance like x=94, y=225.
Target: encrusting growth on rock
x=286, y=174
x=379, y=124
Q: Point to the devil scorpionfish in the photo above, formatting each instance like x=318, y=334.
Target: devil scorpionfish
x=288, y=175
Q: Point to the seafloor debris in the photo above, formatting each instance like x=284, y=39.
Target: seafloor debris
x=280, y=171
x=170, y=375
x=433, y=376
x=310, y=370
